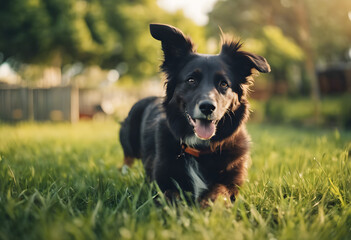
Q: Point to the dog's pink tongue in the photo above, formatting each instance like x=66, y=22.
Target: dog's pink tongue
x=204, y=129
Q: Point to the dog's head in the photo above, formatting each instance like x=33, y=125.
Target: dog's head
x=205, y=94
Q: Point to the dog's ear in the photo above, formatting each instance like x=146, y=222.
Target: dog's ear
x=175, y=44
x=242, y=61
x=255, y=61
x=176, y=47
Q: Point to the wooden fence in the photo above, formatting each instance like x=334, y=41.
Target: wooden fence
x=39, y=104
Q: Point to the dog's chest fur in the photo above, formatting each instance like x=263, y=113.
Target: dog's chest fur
x=197, y=179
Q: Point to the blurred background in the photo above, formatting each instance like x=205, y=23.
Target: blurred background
x=66, y=60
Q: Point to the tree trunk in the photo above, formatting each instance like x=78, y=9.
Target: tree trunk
x=304, y=38
x=53, y=74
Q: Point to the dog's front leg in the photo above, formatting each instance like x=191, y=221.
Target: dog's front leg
x=216, y=191
x=227, y=186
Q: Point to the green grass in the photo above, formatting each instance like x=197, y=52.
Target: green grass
x=61, y=181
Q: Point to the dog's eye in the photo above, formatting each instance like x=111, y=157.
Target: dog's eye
x=223, y=84
x=191, y=81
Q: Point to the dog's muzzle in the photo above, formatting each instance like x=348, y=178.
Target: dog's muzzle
x=203, y=128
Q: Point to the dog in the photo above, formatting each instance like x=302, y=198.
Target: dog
x=194, y=138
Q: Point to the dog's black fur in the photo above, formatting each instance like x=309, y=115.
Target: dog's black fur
x=205, y=108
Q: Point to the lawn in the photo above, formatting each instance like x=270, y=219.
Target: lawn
x=62, y=181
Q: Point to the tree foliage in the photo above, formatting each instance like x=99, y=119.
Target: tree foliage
x=131, y=20
x=321, y=30
x=327, y=22
x=107, y=33
x=52, y=32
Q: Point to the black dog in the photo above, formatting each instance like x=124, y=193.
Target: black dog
x=195, y=137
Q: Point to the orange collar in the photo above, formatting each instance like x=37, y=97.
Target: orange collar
x=194, y=152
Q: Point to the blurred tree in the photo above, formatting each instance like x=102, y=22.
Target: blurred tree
x=321, y=29
x=109, y=33
x=54, y=32
x=139, y=52
x=282, y=53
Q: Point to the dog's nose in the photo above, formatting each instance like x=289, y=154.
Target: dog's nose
x=207, y=107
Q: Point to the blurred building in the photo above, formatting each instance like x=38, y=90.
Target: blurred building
x=335, y=79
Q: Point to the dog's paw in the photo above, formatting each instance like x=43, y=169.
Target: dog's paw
x=221, y=200
x=205, y=203
x=171, y=195
x=218, y=194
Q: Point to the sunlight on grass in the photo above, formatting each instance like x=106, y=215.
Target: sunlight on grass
x=62, y=181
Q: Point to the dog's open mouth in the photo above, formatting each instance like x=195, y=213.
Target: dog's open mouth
x=203, y=128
